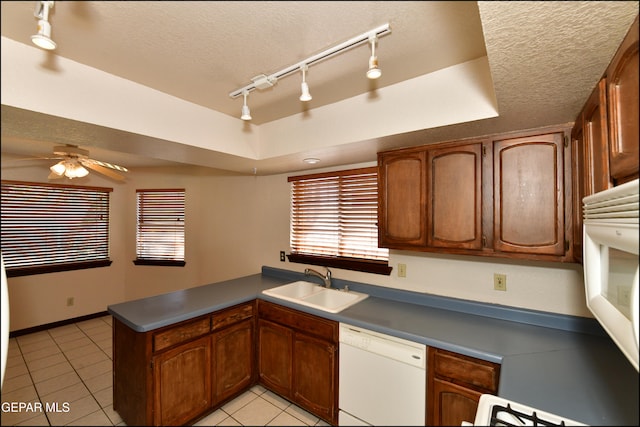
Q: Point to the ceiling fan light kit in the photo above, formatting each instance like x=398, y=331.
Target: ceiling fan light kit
x=263, y=81
x=69, y=168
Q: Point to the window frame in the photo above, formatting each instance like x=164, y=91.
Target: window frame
x=159, y=261
x=31, y=201
x=367, y=265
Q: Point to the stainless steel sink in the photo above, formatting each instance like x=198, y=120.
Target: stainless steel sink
x=315, y=296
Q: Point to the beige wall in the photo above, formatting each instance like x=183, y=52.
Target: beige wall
x=235, y=225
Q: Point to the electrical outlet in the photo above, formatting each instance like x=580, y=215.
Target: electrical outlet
x=70, y=301
x=282, y=258
x=499, y=282
x=402, y=270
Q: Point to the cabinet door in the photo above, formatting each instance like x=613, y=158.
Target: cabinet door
x=315, y=379
x=182, y=382
x=455, y=203
x=453, y=404
x=622, y=80
x=529, y=195
x=597, y=139
x=276, y=357
x=233, y=360
x=402, y=193
x=578, y=183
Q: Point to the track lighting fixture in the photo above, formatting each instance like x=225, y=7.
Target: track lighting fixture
x=262, y=81
x=373, y=72
x=43, y=38
x=305, y=96
x=246, y=114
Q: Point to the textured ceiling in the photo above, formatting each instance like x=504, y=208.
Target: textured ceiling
x=545, y=58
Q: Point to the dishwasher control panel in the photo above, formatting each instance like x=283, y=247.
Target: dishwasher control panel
x=388, y=346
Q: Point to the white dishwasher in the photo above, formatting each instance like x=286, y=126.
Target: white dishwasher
x=382, y=379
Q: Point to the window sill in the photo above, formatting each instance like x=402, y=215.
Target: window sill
x=28, y=271
x=158, y=262
x=355, y=264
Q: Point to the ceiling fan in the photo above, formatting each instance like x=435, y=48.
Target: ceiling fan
x=74, y=162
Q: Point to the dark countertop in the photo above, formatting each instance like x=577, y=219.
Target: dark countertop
x=562, y=367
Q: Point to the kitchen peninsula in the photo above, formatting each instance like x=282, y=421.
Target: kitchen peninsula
x=559, y=364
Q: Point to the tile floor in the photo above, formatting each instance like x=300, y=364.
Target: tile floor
x=63, y=376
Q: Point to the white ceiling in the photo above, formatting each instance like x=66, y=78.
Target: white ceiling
x=545, y=58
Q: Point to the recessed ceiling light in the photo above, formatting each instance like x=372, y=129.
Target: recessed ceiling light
x=311, y=161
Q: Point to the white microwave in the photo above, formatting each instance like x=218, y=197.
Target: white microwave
x=610, y=257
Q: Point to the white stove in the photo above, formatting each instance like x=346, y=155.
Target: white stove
x=496, y=411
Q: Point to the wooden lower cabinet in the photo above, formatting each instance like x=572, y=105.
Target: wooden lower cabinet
x=182, y=383
x=298, y=358
x=233, y=360
x=314, y=384
x=178, y=373
x=275, y=348
x=454, y=385
x=453, y=403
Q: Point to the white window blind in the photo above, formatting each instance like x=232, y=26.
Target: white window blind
x=51, y=227
x=160, y=230
x=336, y=214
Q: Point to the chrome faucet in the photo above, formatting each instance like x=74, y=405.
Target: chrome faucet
x=326, y=278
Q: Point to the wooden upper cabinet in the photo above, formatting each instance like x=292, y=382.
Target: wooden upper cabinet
x=454, y=214
x=622, y=91
x=529, y=195
x=402, y=199
x=502, y=195
x=578, y=184
x=594, y=116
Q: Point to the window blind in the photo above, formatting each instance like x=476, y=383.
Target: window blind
x=336, y=214
x=51, y=227
x=160, y=230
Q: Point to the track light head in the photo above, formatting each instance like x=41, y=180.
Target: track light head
x=246, y=114
x=305, y=95
x=43, y=38
x=374, y=71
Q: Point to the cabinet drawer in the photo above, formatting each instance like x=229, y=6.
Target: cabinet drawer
x=184, y=332
x=474, y=372
x=231, y=315
x=307, y=323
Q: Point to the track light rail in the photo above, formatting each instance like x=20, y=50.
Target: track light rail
x=312, y=60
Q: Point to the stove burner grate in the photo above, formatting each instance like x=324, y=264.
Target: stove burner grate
x=517, y=418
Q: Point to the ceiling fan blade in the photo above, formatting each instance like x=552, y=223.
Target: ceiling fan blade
x=22, y=159
x=54, y=175
x=107, y=165
x=102, y=170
